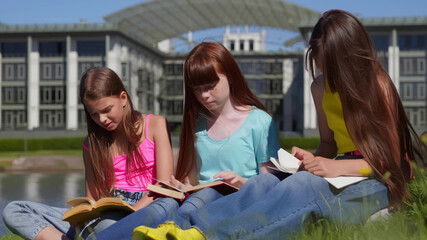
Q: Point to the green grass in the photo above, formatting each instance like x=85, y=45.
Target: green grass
x=15, y=154
x=409, y=223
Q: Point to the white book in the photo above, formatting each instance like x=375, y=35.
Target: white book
x=288, y=163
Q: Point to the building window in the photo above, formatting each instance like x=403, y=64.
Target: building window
x=13, y=49
x=421, y=91
x=46, y=71
x=8, y=72
x=407, y=91
x=242, y=45
x=14, y=119
x=408, y=67
x=21, y=73
x=8, y=95
x=21, y=95
x=232, y=45
x=251, y=45
x=277, y=86
x=51, y=49
x=91, y=48
x=421, y=66
x=59, y=71
x=422, y=115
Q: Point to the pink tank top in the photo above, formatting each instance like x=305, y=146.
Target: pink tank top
x=140, y=181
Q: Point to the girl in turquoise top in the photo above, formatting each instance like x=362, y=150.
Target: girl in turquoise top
x=363, y=99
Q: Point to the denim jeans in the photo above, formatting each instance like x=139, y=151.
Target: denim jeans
x=158, y=212
x=266, y=207
x=27, y=218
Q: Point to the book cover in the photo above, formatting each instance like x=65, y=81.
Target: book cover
x=288, y=163
x=170, y=191
x=84, y=209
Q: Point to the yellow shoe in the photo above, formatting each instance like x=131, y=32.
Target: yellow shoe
x=179, y=234
x=147, y=233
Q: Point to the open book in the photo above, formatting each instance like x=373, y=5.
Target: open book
x=84, y=209
x=170, y=191
x=288, y=163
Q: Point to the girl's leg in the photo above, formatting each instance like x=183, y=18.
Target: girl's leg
x=108, y=218
x=283, y=208
x=193, y=203
x=154, y=214
x=27, y=219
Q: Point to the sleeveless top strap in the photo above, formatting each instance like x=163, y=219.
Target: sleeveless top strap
x=83, y=143
x=146, y=126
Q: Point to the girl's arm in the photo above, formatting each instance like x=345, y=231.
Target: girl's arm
x=164, y=158
x=89, y=177
x=321, y=163
x=327, y=147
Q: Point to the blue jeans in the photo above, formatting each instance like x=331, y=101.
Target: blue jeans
x=158, y=212
x=27, y=218
x=266, y=207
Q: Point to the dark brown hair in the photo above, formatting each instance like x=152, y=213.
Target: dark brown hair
x=102, y=82
x=200, y=68
x=372, y=109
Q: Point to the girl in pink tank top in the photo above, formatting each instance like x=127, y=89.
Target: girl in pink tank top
x=123, y=152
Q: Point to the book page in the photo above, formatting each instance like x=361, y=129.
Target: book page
x=213, y=184
x=166, y=191
x=112, y=201
x=343, y=181
x=79, y=200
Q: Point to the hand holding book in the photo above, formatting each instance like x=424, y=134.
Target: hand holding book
x=290, y=164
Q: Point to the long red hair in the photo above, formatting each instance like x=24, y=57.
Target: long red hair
x=200, y=68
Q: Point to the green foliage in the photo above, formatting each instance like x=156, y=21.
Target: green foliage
x=301, y=142
x=409, y=223
x=35, y=144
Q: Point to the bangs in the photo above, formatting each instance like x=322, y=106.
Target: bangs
x=200, y=73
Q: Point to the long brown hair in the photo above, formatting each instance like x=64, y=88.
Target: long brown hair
x=200, y=68
x=372, y=109
x=102, y=82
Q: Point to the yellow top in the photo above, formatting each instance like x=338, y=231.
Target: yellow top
x=331, y=105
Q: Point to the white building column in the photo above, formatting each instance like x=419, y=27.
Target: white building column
x=393, y=60
x=157, y=71
x=288, y=78
x=133, y=77
x=33, y=84
x=310, y=116
x=112, y=47
x=72, y=79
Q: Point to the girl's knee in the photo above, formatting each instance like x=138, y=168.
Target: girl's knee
x=12, y=211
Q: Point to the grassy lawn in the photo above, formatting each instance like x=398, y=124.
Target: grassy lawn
x=409, y=223
x=8, y=155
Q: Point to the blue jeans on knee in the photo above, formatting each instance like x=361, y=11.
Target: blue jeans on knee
x=27, y=218
x=152, y=215
x=268, y=208
x=158, y=212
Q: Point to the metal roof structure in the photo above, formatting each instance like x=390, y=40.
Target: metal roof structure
x=156, y=20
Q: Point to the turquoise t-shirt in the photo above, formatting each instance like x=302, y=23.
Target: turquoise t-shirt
x=253, y=143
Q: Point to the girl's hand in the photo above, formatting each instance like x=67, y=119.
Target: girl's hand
x=231, y=178
x=320, y=166
x=176, y=183
x=301, y=154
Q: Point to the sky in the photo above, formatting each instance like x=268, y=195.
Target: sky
x=72, y=11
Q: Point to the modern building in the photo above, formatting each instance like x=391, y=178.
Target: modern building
x=40, y=65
